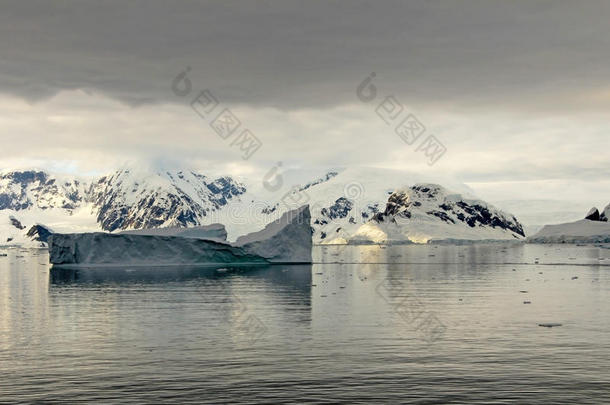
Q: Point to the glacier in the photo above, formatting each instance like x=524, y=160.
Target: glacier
x=287, y=240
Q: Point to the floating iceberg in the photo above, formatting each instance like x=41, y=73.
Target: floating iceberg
x=287, y=240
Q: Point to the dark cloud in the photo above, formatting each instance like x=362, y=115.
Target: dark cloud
x=292, y=54
x=518, y=90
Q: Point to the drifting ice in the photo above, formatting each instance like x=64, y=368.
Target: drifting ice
x=287, y=240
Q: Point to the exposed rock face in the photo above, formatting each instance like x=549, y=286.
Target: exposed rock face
x=39, y=233
x=605, y=215
x=340, y=209
x=321, y=180
x=593, y=214
x=15, y=222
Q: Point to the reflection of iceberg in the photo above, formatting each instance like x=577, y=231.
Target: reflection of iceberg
x=287, y=240
x=296, y=276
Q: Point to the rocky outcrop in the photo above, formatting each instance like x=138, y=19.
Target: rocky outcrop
x=593, y=214
x=39, y=233
x=605, y=215
x=16, y=223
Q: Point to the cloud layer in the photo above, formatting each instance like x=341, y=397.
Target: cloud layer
x=517, y=91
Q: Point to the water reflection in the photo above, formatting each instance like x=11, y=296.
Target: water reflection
x=319, y=333
x=157, y=306
x=296, y=275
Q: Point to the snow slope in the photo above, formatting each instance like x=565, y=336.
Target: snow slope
x=595, y=228
x=582, y=231
x=56, y=219
x=534, y=214
x=350, y=198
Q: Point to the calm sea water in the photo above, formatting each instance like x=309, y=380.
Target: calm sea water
x=402, y=324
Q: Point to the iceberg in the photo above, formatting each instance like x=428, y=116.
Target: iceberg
x=287, y=240
x=215, y=232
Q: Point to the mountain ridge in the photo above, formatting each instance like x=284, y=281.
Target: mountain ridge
x=341, y=200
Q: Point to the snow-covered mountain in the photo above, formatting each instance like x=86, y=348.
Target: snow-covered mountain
x=22, y=190
x=126, y=199
x=594, y=228
x=131, y=199
x=341, y=202
x=32, y=197
x=428, y=212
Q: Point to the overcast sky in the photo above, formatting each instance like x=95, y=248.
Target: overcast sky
x=517, y=91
